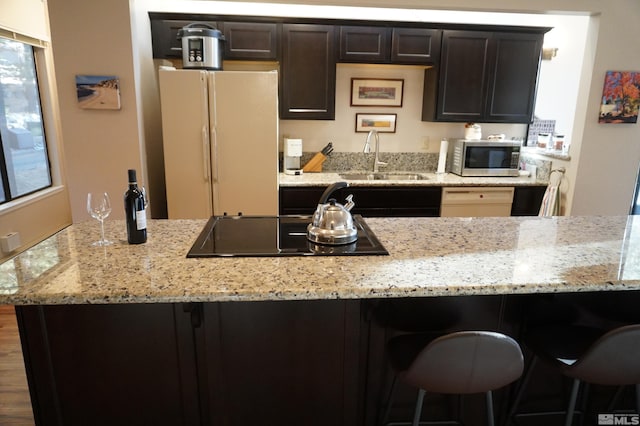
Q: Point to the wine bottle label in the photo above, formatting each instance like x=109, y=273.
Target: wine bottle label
x=141, y=219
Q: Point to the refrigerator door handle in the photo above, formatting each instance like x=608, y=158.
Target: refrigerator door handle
x=205, y=152
x=214, y=151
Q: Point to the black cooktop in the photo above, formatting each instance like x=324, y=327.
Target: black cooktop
x=275, y=236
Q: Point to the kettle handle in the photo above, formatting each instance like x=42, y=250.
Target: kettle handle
x=330, y=190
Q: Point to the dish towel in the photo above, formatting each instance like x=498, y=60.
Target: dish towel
x=550, y=201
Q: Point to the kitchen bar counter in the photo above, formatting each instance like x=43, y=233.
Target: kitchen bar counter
x=433, y=179
x=428, y=257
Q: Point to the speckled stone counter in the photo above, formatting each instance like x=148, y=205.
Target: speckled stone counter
x=428, y=257
x=433, y=179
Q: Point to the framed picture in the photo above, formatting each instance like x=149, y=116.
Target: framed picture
x=383, y=123
x=376, y=92
x=620, y=97
x=98, y=91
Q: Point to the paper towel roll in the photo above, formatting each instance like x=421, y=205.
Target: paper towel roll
x=442, y=159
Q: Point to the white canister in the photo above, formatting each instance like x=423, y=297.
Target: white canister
x=544, y=140
x=472, y=132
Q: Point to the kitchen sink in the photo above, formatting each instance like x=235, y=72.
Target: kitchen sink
x=384, y=176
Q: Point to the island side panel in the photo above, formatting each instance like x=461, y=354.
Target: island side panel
x=283, y=362
x=109, y=364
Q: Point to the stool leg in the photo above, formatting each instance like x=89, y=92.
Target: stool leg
x=490, y=421
x=418, y=411
x=572, y=402
x=392, y=391
x=523, y=384
x=615, y=398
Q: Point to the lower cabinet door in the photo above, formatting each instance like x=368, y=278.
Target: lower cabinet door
x=110, y=364
x=285, y=363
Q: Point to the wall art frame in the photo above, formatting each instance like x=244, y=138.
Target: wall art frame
x=382, y=123
x=98, y=91
x=377, y=92
x=620, y=97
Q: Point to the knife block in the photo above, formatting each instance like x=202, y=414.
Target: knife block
x=315, y=164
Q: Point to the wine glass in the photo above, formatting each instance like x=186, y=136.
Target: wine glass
x=99, y=207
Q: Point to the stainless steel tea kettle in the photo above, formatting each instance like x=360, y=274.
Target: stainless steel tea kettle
x=332, y=222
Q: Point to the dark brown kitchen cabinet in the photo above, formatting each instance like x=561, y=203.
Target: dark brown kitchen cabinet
x=164, y=33
x=483, y=77
x=415, y=46
x=389, y=45
x=514, y=77
x=250, y=41
x=233, y=363
x=463, y=77
x=282, y=363
x=110, y=364
x=527, y=200
x=308, y=72
x=370, y=201
x=365, y=44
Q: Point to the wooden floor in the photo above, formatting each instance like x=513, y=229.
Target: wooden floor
x=15, y=405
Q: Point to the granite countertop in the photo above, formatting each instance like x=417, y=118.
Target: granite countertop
x=428, y=257
x=433, y=179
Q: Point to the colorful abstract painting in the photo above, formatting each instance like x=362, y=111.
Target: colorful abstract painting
x=620, y=97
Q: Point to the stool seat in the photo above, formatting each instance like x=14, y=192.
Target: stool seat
x=586, y=354
x=463, y=362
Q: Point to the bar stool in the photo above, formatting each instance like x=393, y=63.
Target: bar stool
x=463, y=362
x=585, y=354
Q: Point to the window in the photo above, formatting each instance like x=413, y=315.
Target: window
x=24, y=164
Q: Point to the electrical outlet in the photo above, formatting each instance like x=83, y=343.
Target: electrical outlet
x=10, y=242
x=426, y=143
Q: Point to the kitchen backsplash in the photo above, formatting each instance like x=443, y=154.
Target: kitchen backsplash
x=404, y=161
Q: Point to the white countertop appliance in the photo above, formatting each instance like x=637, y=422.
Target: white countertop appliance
x=220, y=140
x=292, y=151
x=483, y=158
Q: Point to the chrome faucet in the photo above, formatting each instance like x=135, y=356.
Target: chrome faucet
x=367, y=149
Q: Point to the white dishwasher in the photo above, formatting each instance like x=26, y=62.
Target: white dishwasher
x=476, y=201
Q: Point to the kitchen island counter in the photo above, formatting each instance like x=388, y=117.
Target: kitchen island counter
x=428, y=257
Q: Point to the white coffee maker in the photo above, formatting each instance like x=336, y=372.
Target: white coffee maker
x=291, y=158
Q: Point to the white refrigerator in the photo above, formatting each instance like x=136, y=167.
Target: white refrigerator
x=220, y=140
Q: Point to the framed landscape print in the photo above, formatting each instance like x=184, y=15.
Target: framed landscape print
x=382, y=123
x=620, y=97
x=376, y=92
x=98, y=91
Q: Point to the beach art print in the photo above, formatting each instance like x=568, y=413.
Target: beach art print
x=376, y=92
x=620, y=97
x=383, y=123
x=98, y=91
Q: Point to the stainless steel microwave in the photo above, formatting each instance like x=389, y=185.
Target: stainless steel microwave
x=483, y=158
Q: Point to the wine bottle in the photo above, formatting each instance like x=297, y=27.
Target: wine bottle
x=136, y=214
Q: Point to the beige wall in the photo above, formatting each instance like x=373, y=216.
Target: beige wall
x=606, y=157
x=94, y=38
x=37, y=216
x=27, y=17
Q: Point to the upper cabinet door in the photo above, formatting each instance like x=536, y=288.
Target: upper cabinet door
x=250, y=40
x=415, y=46
x=514, y=77
x=463, y=78
x=308, y=72
x=364, y=44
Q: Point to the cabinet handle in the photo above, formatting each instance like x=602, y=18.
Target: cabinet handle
x=306, y=110
x=195, y=309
